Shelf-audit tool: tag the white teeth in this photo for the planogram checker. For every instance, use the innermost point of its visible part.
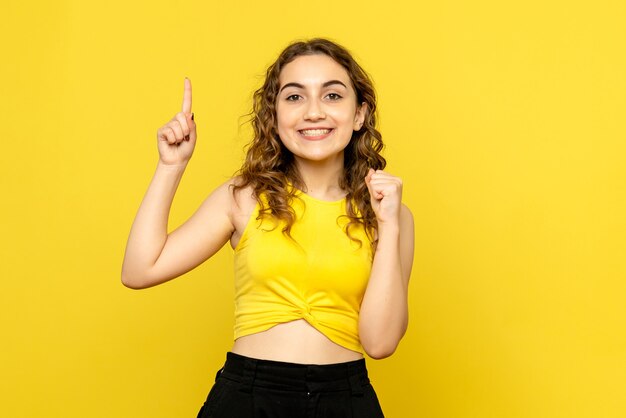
(315, 132)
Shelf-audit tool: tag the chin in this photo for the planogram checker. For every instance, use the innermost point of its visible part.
(320, 157)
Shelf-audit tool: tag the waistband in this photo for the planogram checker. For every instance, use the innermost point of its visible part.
(309, 378)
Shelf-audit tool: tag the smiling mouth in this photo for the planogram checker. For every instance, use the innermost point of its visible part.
(315, 133)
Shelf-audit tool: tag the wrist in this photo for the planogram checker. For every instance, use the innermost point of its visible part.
(172, 167)
(388, 229)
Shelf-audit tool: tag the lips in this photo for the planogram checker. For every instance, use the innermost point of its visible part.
(315, 134)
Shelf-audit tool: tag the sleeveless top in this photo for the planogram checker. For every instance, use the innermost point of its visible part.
(319, 276)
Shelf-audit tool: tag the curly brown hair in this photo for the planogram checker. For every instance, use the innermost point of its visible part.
(269, 167)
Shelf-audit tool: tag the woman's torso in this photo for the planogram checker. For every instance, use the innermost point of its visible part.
(296, 341)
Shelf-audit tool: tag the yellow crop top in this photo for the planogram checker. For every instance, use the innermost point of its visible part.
(321, 277)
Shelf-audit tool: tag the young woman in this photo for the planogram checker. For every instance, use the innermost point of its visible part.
(323, 244)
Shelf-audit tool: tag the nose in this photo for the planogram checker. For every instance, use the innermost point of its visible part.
(314, 111)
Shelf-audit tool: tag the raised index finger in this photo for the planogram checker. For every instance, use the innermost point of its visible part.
(187, 96)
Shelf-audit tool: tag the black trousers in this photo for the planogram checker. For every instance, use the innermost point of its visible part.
(252, 388)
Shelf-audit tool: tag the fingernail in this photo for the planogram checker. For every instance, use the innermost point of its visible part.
(192, 116)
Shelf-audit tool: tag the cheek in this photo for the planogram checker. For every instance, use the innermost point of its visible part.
(283, 118)
(282, 126)
(344, 113)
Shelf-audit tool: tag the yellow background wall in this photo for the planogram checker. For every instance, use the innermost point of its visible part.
(505, 119)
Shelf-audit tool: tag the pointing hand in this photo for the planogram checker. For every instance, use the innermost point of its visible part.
(177, 138)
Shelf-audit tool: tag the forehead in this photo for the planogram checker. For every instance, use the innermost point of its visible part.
(312, 70)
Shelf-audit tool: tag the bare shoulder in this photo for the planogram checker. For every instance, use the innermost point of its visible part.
(243, 203)
(238, 198)
(242, 199)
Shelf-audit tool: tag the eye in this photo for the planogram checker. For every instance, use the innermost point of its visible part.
(292, 98)
(333, 96)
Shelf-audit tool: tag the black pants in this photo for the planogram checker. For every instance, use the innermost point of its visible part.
(252, 388)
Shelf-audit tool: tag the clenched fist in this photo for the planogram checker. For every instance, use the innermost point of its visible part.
(385, 195)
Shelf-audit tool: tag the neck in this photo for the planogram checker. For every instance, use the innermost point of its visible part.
(321, 178)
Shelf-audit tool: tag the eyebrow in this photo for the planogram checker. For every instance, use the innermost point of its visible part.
(300, 86)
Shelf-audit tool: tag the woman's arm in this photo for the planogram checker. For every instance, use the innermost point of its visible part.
(152, 256)
(384, 313)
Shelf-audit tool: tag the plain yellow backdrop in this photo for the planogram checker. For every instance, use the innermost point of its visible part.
(505, 120)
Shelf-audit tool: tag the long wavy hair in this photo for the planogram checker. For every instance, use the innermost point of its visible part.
(269, 167)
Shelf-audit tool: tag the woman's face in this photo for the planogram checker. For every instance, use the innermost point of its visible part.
(316, 108)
